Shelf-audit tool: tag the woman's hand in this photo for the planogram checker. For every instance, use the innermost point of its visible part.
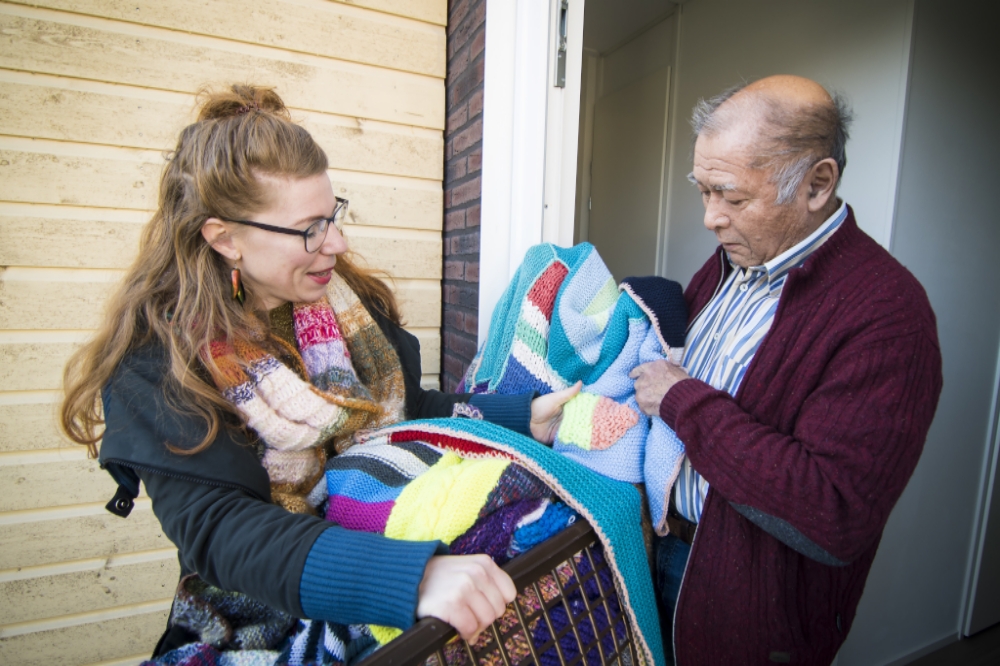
(547, 413)
(469, 592)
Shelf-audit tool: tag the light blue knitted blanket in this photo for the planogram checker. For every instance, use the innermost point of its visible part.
(563, 319)
(611, 507)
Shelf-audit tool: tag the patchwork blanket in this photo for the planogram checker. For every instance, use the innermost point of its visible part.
(474, 485)
(563, 319)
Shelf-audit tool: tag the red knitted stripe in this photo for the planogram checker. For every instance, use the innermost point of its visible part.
(543, 292)
(449, 442)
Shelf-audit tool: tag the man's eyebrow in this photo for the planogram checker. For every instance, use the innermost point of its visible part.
(722, 187)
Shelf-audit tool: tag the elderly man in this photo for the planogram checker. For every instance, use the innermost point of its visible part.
(812, 375)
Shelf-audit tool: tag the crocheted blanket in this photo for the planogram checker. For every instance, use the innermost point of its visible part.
(563, 319)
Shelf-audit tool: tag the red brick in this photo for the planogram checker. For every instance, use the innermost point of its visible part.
(451, 294)
(468, 81)
(479, 15)
(454, 319)
(456, 13)
(467, 191)
(448, 150)
(457, 119)
(472, 271)
(455, 367)
(465, 244)
(472, 216)
(454, 270)
(475, 161)
(460, 345)
(454, 220)
(455, 170)
(476, 103)
(468, 137)
(478, 43)
(471, 324)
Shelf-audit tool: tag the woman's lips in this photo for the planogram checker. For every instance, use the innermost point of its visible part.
(322, 277)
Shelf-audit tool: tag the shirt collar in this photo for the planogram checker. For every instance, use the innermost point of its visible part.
(776, 269)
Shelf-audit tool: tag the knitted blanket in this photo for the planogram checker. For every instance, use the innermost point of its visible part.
(564, 319)
(611, 507)
(477, 486)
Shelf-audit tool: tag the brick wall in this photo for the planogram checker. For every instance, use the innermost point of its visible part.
(463, 155)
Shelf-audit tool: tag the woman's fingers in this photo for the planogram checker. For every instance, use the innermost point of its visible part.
(546, 413)
(468, 592)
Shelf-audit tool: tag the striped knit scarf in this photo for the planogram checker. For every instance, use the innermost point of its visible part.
(355, 383)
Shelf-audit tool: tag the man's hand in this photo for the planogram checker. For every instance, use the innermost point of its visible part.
(652, 381)
(468, 592)
(547, 413)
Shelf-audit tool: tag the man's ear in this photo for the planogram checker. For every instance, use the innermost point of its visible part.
(822, 180)
(216, 234)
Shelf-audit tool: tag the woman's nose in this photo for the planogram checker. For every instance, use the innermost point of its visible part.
(334, 243)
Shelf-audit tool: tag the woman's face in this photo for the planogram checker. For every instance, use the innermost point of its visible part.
(275, 267)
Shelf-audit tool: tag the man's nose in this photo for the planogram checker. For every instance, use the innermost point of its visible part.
(715, 217)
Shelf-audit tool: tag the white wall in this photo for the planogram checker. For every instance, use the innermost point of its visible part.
(947, 233)
(856, 47)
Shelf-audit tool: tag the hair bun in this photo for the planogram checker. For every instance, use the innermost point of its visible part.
(240, 99)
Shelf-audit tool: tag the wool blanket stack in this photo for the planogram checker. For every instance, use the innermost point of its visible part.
(475, 485)
(563, 319)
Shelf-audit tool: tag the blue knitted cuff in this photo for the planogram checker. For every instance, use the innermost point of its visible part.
(356, 577)
(510, 411)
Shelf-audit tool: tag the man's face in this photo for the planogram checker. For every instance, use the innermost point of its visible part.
(740, 203)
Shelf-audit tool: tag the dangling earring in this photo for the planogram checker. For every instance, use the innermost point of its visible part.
(237, 285)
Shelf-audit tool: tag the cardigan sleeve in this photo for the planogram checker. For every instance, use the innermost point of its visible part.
(825, 486)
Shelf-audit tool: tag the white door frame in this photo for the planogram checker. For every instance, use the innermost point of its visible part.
(530, 130)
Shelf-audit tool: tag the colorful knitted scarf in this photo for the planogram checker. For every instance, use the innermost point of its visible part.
(355, 383)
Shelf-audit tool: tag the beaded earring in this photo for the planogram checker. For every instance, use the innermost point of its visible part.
(237, 285)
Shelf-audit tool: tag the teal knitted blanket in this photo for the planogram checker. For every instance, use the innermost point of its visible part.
(563, 319)
(611, 507)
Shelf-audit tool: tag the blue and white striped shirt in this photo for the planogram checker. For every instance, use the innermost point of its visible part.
(727, 333)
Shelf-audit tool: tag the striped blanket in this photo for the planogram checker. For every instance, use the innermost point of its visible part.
(563, 319)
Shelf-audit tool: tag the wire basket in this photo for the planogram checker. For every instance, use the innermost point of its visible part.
(568, 612)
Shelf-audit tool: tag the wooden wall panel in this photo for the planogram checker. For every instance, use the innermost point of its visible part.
(65, 483)
(41, 539)
(310, 26)
(130, 634)
(97, 588)
(81, 300)
(92, 96)
(152, 120)
(27, 427)
(76, 46)
(34, 366)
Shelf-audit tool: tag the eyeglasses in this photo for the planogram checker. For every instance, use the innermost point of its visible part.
(314, 235)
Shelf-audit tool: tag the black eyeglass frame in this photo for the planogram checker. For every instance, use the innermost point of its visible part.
(340, 211)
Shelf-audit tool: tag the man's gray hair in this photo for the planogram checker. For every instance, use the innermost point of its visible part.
(792, 140)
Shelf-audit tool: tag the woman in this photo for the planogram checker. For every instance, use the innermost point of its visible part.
(242, 349)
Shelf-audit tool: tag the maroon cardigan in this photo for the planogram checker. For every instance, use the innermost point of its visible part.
(806, 461)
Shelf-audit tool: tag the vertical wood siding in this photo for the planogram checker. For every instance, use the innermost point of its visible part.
(92, 94)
